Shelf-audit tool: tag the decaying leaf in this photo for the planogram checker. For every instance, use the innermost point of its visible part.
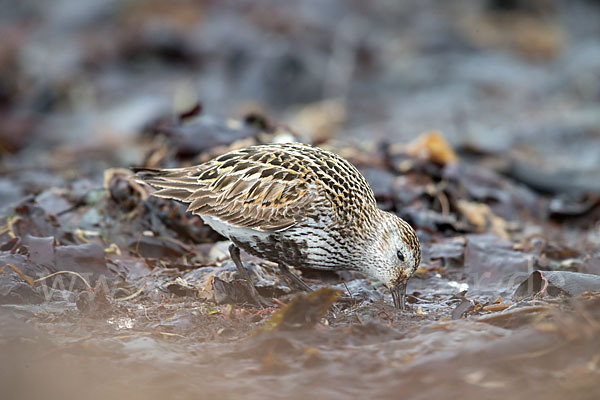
(482, 217)
(303, 312)
(432, 146)
(555, 283)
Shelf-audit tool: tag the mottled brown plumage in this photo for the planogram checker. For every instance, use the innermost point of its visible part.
(297, 205)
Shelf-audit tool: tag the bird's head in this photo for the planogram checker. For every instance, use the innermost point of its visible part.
(393, 255)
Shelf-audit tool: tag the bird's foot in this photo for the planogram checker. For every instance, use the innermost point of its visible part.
(293, 279)
(256, 298)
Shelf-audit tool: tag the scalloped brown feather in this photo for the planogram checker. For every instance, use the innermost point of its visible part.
(268, 187)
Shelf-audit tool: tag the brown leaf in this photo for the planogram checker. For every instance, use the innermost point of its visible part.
(497, 307)
(432, 146)
(303, 312)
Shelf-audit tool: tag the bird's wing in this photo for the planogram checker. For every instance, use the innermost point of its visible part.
(257, 187)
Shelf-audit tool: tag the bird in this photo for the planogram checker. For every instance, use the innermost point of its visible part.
(296, 205)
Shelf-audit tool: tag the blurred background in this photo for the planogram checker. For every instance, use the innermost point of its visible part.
(510, 77)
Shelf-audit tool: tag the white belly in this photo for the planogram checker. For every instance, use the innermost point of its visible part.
(239, 233)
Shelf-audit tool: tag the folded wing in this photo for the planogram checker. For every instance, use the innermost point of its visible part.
(255, 188)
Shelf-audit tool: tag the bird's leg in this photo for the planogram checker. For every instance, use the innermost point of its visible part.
(234, 252)
(293, 278)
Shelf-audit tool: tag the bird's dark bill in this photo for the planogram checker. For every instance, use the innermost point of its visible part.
(399, 295)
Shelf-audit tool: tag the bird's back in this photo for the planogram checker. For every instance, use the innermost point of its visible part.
(268, 187)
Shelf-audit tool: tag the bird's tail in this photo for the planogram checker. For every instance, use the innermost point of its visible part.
(149, 173)
(176, 183)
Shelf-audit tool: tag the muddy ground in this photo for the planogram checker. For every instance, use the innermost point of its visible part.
(477, 122)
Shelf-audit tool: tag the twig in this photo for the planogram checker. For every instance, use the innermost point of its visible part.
(444, 204)
(65, 272)
(352, 303)
(10, 222)
(171, 334)
(133, 295)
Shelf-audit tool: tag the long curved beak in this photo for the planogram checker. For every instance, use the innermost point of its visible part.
(399, 295)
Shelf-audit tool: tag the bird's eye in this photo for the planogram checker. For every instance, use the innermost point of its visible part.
(400, 255)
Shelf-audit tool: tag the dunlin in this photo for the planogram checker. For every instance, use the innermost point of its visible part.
(296, 205)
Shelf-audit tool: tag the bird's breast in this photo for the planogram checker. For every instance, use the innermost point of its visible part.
(308, 244)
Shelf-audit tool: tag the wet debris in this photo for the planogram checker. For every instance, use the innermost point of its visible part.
(93, 302)
(15, 286)
(517, 318)
(555, 283)
(181, 288)
(194, 133)
(449, 252)
(492, 266)
(234, 292)
(464, 307)
(303, 312)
